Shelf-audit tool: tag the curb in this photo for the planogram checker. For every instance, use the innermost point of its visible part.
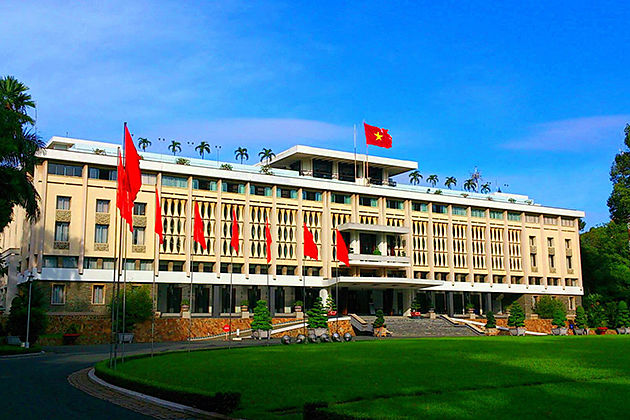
(195, 412)
(21, 356)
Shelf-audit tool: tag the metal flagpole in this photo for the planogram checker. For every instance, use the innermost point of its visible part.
(124, 302)
(118, 275)
(231, 298)
(113, 337)
(190, 301)
(337, 296)
(269, 305)
(153, 300)
(355, 151)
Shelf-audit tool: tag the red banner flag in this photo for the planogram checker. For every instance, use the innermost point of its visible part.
(268, 240)
(310, 248)
(342, 250)
(122, 194)
(198, 235)
(132, 166)
(158, 217)
(377, 136)
(234, 240)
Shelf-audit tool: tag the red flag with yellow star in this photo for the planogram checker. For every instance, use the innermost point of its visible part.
(377, 136)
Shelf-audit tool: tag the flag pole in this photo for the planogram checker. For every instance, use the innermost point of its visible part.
(153, 302)
(269, 305)
(112, 338)
(190, 300)
(124, 302)
(337, 297)
(355, 151)
(231, 298)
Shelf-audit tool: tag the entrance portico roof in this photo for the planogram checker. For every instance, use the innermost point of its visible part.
(363, 227)
(386, 282)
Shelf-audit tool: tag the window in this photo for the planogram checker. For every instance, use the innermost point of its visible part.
(65, 170)
(50, 261)
(102, 173)
(395, 204)
(149, 179)
(572, 303)
(61, 231)
(550, 242)
(531, 218)
(458, 211)
(567, 222)
(346, 171)
(311, 195)
(260, 190)
(58, 294)
(368, 201)
(494, 214)
(63, 203)
(174, 181)
(102, 206)
(138, 235)
(422, 207)
(569, 262)
(479, 213)
(204, 184)
(571, 282)
(98, 294)
(552, 261)
(322, 169)
(286, 193)
(101, 234)
(532, 241)
(233, 187)
(532, 258)
(98, 263)
(439, 208)
(69, 262)
(550, 220)
(567, 243)
(514, 217)
(140, 209)
(340, 198)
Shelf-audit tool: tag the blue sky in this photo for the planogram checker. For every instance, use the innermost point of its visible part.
(534, 95)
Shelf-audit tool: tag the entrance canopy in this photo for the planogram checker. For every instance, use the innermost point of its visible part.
(363, 227)
(386, 282)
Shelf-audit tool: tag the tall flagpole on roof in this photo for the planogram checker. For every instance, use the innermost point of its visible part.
(113, 337)
(355, 151)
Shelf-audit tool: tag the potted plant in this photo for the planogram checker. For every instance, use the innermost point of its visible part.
(317, 319)
(138, 308)
(261, 325)
(297, 306)
(71, 334)
(516, 319)
(491, 324)
(415, 308)
(331, 307)
(581, 322)
(623, 318)
(185, 307)
(379, 324)
(559, 320)
(470, 310)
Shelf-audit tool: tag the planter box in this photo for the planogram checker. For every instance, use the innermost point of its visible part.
(559, 331)
(261, 334)
(297, 309)
(69, 339)
(471, 313)
(622, 330)
(125, 337)
(317, 332)
(492, 331)
(601, 330)
(517, 331)
(332, 314)
(416, 315)
(580, 331)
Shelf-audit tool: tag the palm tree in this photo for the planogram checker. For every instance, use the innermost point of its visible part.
(415, 177)
(14, 96)
(432, 179)
(241, 153)
(485, 188)
(470, 185)
(203, 148)
(266, 155)
(450, 181)
(143, 143)
(175, 147)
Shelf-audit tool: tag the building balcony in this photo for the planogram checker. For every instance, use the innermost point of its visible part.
(369, 260)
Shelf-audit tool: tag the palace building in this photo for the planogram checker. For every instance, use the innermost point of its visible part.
(447, 248)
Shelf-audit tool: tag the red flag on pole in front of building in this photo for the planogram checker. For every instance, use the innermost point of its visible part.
(158, 217)
(234, 240)
(342, 250)
(122, 194)
(132, 166)
(377, 136)
(198, 235)
(268, 240)
(310, 248)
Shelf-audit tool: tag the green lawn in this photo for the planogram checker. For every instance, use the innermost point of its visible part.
(488, 377)
(10, 350)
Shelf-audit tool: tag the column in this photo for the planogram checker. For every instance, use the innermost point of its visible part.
(216, 301)
(449, 303)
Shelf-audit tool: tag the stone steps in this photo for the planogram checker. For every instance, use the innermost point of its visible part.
(424, 327)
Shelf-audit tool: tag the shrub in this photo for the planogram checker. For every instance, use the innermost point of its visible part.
(298, 303)
(245, 302)
(490, 321)
(317, 317)
(18, 318)
(266, 170)
(595, 312)
(416, 304)
(580, 317)
(469, 306)
(547, 306)
(182, 161)
(72, 329)
(330, 304)
(262, 317)
(517, 316)
(623, 315)
(138, 307)
(380, 319)
(559, 318)
(226, 166)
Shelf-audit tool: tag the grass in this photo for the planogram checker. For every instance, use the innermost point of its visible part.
(6, 350)
(447, 378)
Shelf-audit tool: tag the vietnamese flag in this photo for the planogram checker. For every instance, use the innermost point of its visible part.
(132, 166)
(158, 217)
(122, 194)
(234, 240)
(198, 235)
(342, 250)
(310, 248)
(268, 240)
(377, 136)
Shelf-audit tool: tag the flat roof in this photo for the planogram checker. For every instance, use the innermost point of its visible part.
(299, 152)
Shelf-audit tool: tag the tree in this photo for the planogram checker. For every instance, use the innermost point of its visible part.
(490, 321)
(18, 318)
(623, 316)
(450, 181)
(241, 153)
(15, 97)
(619, 200)
(559, 318)
(470, 185)
(175, 147)
(415, 177)
(432, 179)
(203, 148)
(317, 317)
(595, 312)
(138, 307)
(266, 155)
(262, 317)
(517, 316)
(143, 143)
(485, 188)
(547, 306)
(580, 317)
(380, 319)
(330, 304)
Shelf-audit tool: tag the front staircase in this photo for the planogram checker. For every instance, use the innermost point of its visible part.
(424, 327)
